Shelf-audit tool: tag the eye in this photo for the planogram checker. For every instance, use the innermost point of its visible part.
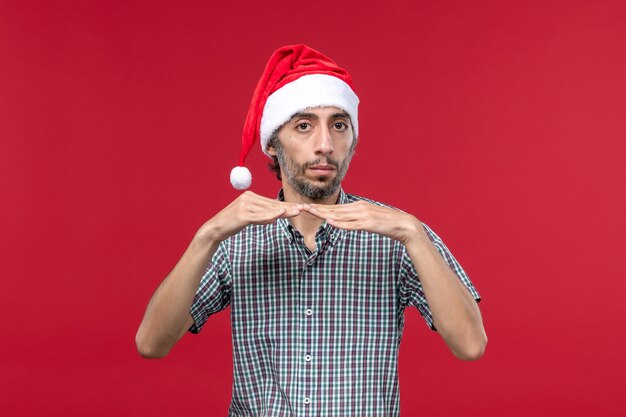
(303, 126)
(340, 126)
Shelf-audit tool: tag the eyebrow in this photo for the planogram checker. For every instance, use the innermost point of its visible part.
(306, 115)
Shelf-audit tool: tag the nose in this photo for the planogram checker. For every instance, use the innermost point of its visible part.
(324, 141)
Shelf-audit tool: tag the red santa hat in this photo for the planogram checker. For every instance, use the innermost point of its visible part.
(296, 78)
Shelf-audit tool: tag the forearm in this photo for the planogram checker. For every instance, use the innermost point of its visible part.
(455, 312)
(167, 315)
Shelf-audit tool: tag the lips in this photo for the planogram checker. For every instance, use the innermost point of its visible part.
(322, 167)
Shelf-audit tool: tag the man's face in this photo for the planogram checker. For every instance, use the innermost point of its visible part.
(314, 149)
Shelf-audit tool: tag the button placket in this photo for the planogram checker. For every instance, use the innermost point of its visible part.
(307, 372)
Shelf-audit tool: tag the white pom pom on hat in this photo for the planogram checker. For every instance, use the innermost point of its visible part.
(240, 178)
(296, 77)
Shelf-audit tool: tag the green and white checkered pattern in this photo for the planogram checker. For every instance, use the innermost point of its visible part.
(315, 333)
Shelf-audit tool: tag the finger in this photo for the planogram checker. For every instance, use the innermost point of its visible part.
(337, 208)
(322, 208)
(285, 213)
(324, 215)
(316, 211)
(346, 225)
(253, 198)
(345, 206)
(341, 214)
(258, 205)
(291, 209)
(266, 217)
(292, 212)
(269, 203)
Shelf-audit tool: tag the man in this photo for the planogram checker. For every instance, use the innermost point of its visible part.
(317, 280)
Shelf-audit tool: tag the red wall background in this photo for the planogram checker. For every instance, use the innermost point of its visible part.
(501, 124)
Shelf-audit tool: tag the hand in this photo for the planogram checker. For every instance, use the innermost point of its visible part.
(362, 215)
(248, 208)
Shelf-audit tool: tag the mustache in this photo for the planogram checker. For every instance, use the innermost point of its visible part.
(326, 161)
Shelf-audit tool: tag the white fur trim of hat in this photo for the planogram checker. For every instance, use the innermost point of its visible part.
(308, 91)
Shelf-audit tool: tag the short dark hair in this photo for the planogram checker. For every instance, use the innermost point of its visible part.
(274, 166)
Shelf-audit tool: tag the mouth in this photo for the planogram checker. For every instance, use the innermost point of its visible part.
(321, 169)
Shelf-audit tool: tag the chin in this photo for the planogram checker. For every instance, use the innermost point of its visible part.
(323, 178)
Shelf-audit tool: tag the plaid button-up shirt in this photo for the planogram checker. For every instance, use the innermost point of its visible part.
(315, 333)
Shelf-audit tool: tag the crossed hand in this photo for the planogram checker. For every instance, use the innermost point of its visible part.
(251, 208)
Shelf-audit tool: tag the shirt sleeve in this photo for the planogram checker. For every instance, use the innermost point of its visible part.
(213, 294)
(411, 292)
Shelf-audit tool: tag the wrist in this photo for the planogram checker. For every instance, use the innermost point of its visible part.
(203, 246)
(414, 232)
(208, 235)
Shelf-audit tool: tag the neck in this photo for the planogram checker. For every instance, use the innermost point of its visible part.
(306, 223)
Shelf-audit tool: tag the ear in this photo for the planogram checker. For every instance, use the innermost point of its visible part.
(271, 150)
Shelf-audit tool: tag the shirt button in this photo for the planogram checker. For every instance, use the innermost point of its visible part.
(307, 400)
(307, 358)
(309, 312)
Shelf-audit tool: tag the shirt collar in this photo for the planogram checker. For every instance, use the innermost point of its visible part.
(332, 233)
